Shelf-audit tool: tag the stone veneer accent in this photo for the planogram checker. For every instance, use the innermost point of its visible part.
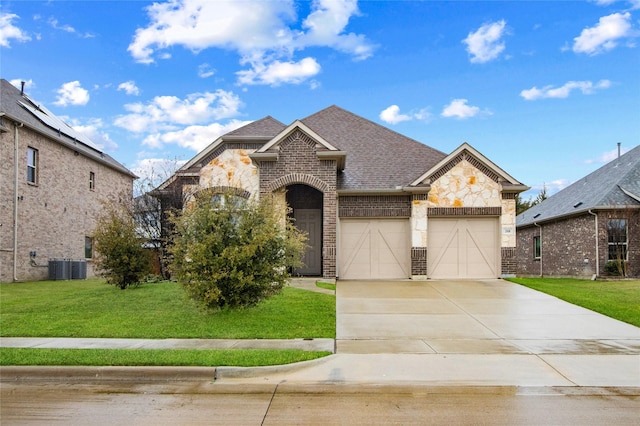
(232, 168)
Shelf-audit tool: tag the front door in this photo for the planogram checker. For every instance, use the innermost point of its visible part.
(310, 222)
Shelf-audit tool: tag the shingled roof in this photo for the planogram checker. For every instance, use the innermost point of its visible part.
(17, 106)
(377, 157)
(265, 127)
(614, 185)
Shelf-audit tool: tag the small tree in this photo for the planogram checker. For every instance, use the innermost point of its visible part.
(230, 252)
(121, 258)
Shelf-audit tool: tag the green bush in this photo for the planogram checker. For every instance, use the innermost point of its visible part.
(121, 258)
(616, 268)
(230, 252)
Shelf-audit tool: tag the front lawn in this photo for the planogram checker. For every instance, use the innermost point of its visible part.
(616, 299)
(91, 308)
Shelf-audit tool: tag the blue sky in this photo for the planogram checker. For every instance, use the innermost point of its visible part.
(545, 89)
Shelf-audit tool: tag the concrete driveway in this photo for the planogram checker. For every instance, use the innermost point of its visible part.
(471, 317)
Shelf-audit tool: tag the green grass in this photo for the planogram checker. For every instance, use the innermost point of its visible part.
(616, 299)
(326, 286)
(154, 357)
(91, 308)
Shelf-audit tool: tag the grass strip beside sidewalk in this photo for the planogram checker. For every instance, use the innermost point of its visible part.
(154, 357)
(615, 299)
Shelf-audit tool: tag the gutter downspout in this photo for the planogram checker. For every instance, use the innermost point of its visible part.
(17, 125)
(541, 248)
(597, 245)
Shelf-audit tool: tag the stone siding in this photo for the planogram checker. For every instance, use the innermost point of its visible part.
(232, 168)
(56, 214)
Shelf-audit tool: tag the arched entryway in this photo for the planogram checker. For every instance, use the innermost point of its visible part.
(306, 209)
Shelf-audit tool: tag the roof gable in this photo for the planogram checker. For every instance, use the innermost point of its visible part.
(482, 163)
(614, 185)
(259, 131)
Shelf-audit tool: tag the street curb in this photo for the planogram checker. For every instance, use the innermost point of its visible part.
(74, 374)
(254, 372)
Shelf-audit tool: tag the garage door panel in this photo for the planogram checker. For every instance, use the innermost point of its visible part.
(463, 248)
(374, 249)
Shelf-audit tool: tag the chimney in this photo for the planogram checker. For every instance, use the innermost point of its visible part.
(22, 83)
(619, 143)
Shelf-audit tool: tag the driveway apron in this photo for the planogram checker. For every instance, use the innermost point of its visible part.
(488, 316)
(485, 331)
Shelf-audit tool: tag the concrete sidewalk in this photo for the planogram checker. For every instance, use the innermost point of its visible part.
(99, 343)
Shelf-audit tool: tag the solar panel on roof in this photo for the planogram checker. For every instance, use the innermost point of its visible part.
(48, 118)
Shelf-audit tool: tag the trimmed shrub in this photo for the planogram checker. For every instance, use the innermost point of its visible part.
(230, 252)
(121, 257)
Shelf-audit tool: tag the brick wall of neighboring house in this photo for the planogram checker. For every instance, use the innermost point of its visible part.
(632, 216)
(298, 163)
(568, 246)
(56, 213)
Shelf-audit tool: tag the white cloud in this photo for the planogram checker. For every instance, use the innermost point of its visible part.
(129, 88)
(8, 31)
(486, 43)
(326, 23)
(72, 93)
(276, 73)
(167, 112)
(607, 157)
(263, 33)
(94, 130)
(55, 25)
(205, 71)
(458, 108)
(28, 84)
(586, 87)
(604, 35)
(153, 171)
(392, 115)
(194, 137)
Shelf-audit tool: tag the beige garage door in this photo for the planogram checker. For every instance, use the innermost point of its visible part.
(463, 248)
(374, 249)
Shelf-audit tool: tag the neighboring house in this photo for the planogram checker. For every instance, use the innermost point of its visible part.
(375, 204)
(578, 230)
(52, 182)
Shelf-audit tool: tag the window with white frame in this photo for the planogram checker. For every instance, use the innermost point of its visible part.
(32, 165)
(617, 239)
(92, 181)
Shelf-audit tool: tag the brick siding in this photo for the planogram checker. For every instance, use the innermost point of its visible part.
(56, 214)
(298, 163)
(566, 244)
